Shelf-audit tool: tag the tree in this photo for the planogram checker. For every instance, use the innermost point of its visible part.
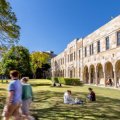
(9, 30)
(18, 57)
(37, 60)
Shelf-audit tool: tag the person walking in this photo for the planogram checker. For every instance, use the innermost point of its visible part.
(14, 97)
(27, 97)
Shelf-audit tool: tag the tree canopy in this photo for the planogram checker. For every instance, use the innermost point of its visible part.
(9, 30)
(38, 59)
(18, 57)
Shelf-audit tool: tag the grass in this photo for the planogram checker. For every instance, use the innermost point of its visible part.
(48, 102)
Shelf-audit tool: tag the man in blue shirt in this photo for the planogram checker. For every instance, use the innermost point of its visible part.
(14, 97)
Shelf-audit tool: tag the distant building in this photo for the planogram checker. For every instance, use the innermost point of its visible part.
(94, 59)
(51, 53)
(47, 73)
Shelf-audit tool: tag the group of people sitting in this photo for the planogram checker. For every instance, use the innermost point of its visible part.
(19, 98)
(68, 99)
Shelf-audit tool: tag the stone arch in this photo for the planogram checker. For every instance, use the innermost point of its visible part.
(100, 74)
(71, 72)
(92, 74)
(60, 73)
(86, 75)
(74, 70)
(79, 72)
(117, 70)
(109, 74)
(63, 73)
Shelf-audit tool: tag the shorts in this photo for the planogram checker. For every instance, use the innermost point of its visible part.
(26, 106)
(11, 110)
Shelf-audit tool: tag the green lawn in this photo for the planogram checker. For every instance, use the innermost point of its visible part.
(48, 103)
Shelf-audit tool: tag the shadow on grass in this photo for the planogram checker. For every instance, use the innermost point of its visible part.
(41, 84)
(3, 89)
(48, 84)
(49, 106)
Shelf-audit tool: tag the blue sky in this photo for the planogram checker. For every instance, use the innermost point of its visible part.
(52, 24)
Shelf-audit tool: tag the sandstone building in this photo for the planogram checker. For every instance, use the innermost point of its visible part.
(94, 59)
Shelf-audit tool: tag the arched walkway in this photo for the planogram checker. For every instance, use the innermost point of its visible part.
(63, 73)
(71, 72)
(100, 74)
(117, 70)
(92, 74)
(109, 72)
(86, 75)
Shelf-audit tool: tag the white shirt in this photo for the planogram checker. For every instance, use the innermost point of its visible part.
(68, 99)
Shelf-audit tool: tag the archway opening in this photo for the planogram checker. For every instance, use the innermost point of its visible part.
(86, 75)
(109, 73)
(100, 74)
(92, 74)
(71, 72)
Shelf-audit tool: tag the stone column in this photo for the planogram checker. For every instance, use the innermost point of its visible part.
(82, 75)
(104, 78)
(68, 73)
(89, 77)
(96, 77)
(115, 79)
(104, 75)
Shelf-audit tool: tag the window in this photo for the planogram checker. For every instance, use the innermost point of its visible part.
(68, 58)
(71, 57)
(118, 38)
(98, 46)
(85, 51)
(74, 55)
(79, 54)
(59, 61)
(107, 43)
(92, 49)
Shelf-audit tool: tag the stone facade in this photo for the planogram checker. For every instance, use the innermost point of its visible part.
(94, 59)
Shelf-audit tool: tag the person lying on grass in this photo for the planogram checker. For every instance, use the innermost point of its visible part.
(68, 99)
(27, 97)
(91, 96)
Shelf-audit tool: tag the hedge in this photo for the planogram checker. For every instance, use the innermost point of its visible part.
(70, 81)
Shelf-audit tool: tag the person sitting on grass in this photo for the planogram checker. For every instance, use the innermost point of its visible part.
(68, 97)
(27, 97)
(91, 96)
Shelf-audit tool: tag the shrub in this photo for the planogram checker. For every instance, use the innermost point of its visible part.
(70, 81)
(49, 78)
(61, 80)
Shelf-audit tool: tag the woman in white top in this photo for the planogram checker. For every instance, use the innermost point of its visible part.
(68, 98)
